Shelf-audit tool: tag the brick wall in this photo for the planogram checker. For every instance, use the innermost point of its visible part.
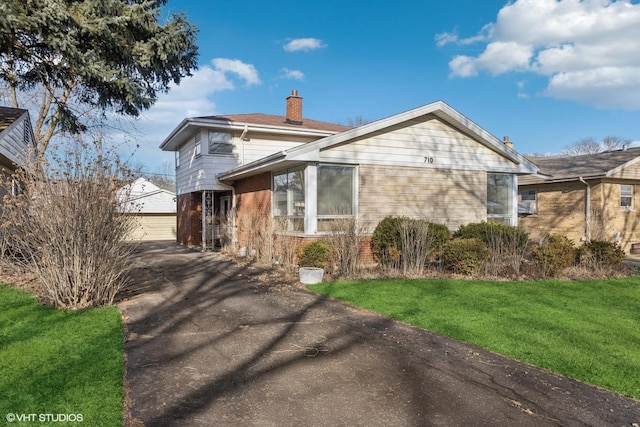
(189, 218)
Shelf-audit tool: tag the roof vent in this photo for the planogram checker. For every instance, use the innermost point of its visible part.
(294, 109)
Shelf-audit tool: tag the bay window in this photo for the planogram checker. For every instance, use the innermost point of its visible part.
(288, 197)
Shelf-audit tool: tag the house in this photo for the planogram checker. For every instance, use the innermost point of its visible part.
(154, 208)
(16, 139)
(207, 146)
(593, 196)
(430, 162)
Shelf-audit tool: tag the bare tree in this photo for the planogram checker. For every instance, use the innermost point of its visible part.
(591, 145)
(588, 145)
(356, 121)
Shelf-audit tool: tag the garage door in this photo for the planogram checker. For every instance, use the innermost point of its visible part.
(155, 227)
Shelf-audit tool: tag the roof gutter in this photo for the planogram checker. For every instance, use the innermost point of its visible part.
(587, 208)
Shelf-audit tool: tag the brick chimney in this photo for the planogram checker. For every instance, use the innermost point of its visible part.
(294, 109)
(507, 142)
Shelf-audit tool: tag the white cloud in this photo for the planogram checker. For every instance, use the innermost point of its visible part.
(286, 73)
(246, 72)
(588, 49)
(304, 45)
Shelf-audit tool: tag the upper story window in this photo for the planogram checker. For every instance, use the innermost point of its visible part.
(198, 144)
(177, 158)
(220, 143)
(626, 196)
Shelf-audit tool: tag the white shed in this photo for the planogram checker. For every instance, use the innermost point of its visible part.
(155, 209)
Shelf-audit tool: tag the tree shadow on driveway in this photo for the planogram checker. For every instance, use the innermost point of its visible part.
(208, 344)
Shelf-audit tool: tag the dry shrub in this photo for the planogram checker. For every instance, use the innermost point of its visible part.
(553, 255)
(419, 239)
(66, 226)
(265, 239)
(346, 238)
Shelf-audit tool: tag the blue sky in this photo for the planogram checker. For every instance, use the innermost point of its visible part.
(544, 72)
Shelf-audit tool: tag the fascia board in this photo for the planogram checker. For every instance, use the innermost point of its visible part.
(188, 125)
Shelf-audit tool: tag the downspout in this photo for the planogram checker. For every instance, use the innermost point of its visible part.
(587, 213)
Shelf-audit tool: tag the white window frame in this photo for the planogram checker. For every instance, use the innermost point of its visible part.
(511, 217)
(198, 149)
(624, 196)
(177, 158)
(228, 143)
(354, 195)
(291, 217)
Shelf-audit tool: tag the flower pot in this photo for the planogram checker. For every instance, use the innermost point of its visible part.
(311, 275)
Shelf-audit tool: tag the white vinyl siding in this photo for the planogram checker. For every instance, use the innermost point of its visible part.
(426, 143)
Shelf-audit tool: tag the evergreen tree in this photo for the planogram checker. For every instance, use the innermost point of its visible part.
(90, 56)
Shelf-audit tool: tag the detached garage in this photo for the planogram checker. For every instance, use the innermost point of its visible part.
(155, 210)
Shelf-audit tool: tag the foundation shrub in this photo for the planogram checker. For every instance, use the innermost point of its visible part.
(600, 254)
(345, 237)
(407, 243)
(507, 245)
(553, 254)
(316, 254)
(465, 256)
(419, 241)
(385, 242)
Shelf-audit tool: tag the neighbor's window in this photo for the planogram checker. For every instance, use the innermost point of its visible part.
(527, 202)
(335, 194)
(626, 196)
(499, 197)
(220, 143)
(198, 144)
(288, 197)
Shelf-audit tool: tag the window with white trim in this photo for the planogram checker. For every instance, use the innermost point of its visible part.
(500, 197)
(198, 144)
(626, 196)
(288, 198)
(177, 158)
(336, 194)
(220, 143)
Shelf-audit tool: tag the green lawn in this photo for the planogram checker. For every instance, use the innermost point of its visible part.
(587, 330)
(59, 362)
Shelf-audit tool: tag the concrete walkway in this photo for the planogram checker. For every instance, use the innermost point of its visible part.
(209, 345)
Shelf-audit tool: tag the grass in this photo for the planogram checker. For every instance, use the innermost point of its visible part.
(60, 362)
(587, 330)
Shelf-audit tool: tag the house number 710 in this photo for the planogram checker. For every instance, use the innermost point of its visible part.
(428, 159)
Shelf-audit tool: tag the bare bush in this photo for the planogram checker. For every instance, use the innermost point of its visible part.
(265, 239)
(66, 226)
(346, 238)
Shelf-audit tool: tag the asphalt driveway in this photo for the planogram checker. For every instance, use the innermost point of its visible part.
(210, 345)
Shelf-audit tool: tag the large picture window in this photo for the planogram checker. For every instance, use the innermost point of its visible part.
(336, 190)
(220, 143)
(288, 197)
(500, 197)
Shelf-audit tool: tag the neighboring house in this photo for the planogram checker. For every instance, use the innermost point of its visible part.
(154, 207)
(593, 196)
(430, 162)
(16, 139)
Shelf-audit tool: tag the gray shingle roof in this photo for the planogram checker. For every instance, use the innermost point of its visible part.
(585, 166)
